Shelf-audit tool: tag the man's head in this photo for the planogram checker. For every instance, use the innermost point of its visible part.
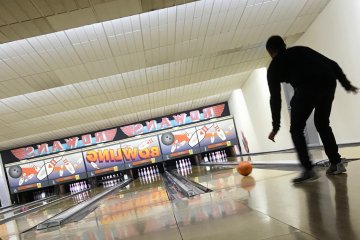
(274, 45)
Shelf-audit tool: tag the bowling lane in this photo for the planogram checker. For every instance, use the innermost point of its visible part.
(27, 207)
(222, 177)
(23, 223)
(140, 211)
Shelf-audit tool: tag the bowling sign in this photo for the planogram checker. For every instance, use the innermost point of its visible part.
(26, 177)
(65, 168)
(103, 160)
(179, 143)
(216, 135)
(141, 152)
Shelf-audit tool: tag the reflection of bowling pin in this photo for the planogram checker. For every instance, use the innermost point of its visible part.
(220, 132)
(146, 144)
(69, 166)
(61, 172)
(94, 165)
(30, 176)
(47, 169)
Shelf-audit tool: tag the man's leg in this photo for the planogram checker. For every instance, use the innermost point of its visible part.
(322, 124)
(301, 108)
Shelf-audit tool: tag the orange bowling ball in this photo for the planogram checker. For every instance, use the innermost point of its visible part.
(244, 168)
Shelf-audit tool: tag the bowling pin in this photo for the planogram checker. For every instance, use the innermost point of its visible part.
(212, 139)
(61, 172)
(173, 147)
(146, 144)
(220, 132)
(30, 176)
(21, 181)
(225, 156)
(193, 140)
(69, 166)
(94, 165)
(47, 169)
(177, 165)
(157, 170)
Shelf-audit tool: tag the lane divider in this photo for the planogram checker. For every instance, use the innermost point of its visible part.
(60, 218)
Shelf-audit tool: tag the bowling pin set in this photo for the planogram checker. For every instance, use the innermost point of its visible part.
(218, 156)
(149, 174)
(111, 180)
(78, 198)
(183, 166)
(79, 186)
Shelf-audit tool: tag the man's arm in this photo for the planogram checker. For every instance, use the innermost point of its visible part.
(342, 77)
(275, 100)
(339, 74)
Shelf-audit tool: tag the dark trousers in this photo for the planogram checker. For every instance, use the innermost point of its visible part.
(305, 100)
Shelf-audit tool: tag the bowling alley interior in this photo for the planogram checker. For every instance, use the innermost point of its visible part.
(149, 119)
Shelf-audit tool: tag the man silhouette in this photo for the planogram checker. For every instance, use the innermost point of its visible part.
(313, 77)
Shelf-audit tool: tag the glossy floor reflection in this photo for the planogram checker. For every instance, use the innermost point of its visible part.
(264, 205)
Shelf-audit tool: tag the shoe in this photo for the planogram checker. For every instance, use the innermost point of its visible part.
(336, 168)
(305, 176)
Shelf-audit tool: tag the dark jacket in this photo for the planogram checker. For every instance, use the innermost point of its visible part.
(301, 67)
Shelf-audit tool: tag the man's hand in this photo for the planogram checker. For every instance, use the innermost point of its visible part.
(272, 136)
(353, 89)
